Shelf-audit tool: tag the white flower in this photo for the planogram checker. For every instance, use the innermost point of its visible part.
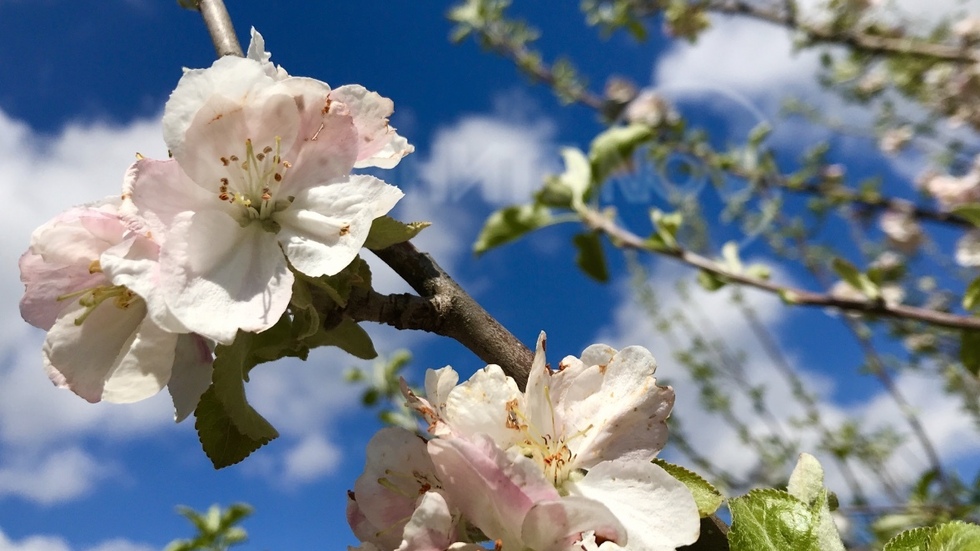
(82, 283)
(260, 182)
(590, 430)
(903, 231)
(968, 249)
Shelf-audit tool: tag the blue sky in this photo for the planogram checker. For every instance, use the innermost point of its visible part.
(82, 87)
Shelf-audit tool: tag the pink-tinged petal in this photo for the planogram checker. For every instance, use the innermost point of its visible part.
(62, 258)
(559, 525)
(494, 490)
(256, 51)
(216, 138)
(45, 282)
(438, 384)
(191, 374)
(486, 404)
(219, 277)
(658, 511)
(326, 143)
(117, 354)
(325, 227)
(230, 76)
(431, 527)
(379, 144)
(156, 192)
(371, 535)
(616, 406)
(397, 472)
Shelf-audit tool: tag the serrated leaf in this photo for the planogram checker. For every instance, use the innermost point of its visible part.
(955, 536)
(510, 223)
(707, 497)
(771, 520)
(590, 257)
(916, 539)
(223, 442)
(386, 231)
(349, 337)
(613, 148)
(231, 363)
(970, 212)
(971, 298)
(970, 351)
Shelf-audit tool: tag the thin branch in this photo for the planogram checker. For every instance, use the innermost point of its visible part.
(222, 32)
(625, 238)
(462, 318)
(869, 43)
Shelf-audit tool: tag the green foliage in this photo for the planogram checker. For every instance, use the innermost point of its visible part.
(612, 149)
(705, 495)
(382, 389)
(217, 529)
(386, 231)
(590, 257)
(771, 520)
(510, 223)
(849, 273)
(970, 351)
(951, 536)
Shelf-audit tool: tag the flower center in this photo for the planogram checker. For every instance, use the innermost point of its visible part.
(253, 181)
(551, 451)
(91, 298)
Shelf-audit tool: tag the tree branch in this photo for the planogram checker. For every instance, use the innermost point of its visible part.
(222, 32)
(625, 238)
(461, 317)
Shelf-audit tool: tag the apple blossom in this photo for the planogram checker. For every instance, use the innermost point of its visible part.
(260, 184)
(101, 343)
(592, 426)
(968, 249)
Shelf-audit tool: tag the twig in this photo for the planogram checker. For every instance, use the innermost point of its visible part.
(222, 32)
(802, 297)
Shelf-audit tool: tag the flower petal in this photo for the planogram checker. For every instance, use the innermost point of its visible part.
(379, 144)
(657, 510)
(484, 405)
(559, 525)
(325, 227)
(431, 527)
(191, 374)
(219, 277)
(117, 354)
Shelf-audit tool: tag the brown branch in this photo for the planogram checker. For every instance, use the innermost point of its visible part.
(802, 297)
(460, 316)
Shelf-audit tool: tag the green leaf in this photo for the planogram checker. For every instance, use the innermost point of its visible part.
(711, 281)
(849, 273)
(971, 298)
(969, 211)
(970, 351)
(955, 536)
(771, 520)
(916, 539)
(223, 442)
(613, 148)
(705, 495)
(189, 4)
(666, 226)
(590, 257)
(806, 484)
(349, 337)
(386, 231)
(509, 223)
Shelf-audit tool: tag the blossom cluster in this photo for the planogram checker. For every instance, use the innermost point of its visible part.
(566, 465)
(136, 290)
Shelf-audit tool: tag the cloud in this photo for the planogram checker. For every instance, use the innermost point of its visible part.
(309, 460)
(501, 157)
(54, 543)
(56, 477)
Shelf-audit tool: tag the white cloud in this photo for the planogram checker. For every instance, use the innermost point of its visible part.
(54, 543)
(312, 458)
(59, 476)
(500, 157)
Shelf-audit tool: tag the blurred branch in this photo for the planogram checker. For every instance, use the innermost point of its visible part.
(624, 238)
